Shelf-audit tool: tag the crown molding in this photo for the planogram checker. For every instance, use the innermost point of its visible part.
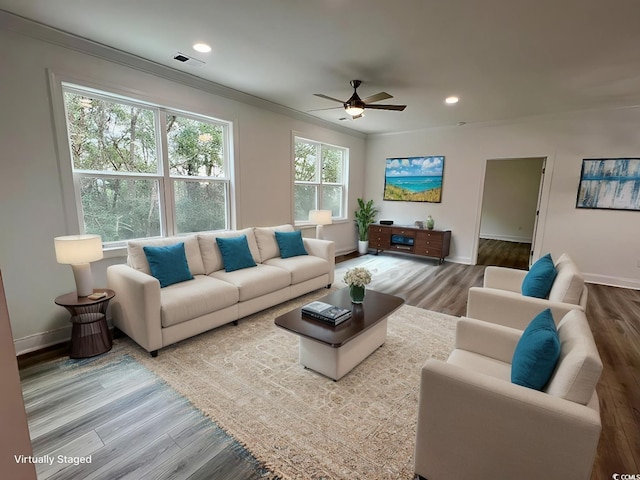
(45, 33)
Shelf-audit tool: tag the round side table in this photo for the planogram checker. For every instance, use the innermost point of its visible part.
(90, 333)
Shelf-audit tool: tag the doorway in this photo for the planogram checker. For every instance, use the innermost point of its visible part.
(509, 213)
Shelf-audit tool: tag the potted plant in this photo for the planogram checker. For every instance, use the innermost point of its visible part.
(365, 216)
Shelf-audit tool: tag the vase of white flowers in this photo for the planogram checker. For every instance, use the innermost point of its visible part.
(357, 278)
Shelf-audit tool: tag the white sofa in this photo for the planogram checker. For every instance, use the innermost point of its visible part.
(474, 423)
(156, 317)
(500, 300)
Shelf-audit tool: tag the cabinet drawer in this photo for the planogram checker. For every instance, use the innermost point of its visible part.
(430, 235)
(429, 252)
(407, 232)
(379, 229)
(380, 244)
(435, 242)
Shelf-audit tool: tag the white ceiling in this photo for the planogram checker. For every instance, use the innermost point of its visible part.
(505, 59)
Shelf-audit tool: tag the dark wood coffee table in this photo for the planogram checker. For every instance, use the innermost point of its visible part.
(335, 351)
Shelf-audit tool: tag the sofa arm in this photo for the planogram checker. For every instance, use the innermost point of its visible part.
(504, 278)
(136, 306)
(511, 309)
(487, 339)
(477, 426)
(324, 249)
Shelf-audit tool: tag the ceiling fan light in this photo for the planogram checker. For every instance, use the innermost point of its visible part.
(353, 110)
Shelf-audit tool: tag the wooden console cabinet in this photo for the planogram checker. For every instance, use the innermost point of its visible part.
(417, 241)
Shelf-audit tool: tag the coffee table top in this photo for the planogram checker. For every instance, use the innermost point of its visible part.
(376, 307)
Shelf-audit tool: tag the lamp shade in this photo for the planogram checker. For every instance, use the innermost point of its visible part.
(320, 217)
(76, 249)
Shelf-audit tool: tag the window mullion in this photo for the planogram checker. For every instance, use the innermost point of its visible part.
(167, 202)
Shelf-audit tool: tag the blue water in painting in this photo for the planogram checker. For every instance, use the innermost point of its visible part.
(415, 184)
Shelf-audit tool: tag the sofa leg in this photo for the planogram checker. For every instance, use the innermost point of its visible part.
(154, 354)
(235, 322)
(117, 333)
(328, 286)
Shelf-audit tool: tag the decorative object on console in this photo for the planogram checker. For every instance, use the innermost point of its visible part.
(320, 218)
(386, 222)
(414, 179)
(430, 222)
(365, 216)
(609, 183)
(78, 251)
(357, 278)
(418, 224)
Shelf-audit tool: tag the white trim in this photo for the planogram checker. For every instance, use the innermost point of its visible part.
(506, 238)
(38, 341)
(620, 282)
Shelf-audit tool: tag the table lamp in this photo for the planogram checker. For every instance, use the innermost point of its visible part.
(320, 218)
(78, 251)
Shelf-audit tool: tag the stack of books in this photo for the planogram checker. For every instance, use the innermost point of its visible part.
(326, 312)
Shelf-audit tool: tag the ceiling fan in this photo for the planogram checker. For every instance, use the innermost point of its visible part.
(356, 106)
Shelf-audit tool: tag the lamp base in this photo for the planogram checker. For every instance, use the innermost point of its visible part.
(84, 279)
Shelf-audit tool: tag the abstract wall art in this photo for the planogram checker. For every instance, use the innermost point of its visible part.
(610, 183)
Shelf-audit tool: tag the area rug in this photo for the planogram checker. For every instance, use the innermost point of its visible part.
(301, 424)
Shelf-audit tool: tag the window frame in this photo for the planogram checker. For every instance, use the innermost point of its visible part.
(319, 183)
(71, 178)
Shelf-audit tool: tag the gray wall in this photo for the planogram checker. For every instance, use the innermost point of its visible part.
(510, 198)
(604, 243)
(34, 208)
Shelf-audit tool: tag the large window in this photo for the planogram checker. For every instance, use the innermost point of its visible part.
(145, 171)
(319, 180)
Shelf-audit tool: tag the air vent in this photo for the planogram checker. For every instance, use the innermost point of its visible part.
(187, 60)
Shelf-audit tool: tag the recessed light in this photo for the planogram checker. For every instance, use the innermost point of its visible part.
(201, 47)
(451, 100)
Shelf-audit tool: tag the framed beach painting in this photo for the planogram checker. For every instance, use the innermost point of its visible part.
(610, 183)
(414, 179)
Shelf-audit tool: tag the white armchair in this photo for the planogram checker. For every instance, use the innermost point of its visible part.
(474, 423)
(500, 300)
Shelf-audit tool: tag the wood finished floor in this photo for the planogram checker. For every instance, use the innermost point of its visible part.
(130, 423)
(614, 316)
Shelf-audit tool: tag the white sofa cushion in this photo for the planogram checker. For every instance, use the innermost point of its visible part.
(185, 301)
(255, 281)
(579, 367)
(266, 239)
(481, 364)
(211, 256)
(569, 283)
(138, 260)
(302, 268)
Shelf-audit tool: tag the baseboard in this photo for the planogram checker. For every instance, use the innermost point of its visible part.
(621, 282)
(39, 341)
(507, 238)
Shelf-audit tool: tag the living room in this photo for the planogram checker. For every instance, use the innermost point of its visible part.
(36, 205)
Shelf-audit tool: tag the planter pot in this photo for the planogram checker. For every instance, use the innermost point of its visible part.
(363, 246)
(356, 293)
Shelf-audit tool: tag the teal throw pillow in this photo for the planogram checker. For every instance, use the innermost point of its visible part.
(539, 280)
(235, 253)
(290, 244)
(537, 353)
(168, 264)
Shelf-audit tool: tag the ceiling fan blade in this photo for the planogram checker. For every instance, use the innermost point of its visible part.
(321, 95)
(321, 109)
(386, 107)
(377, 97)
